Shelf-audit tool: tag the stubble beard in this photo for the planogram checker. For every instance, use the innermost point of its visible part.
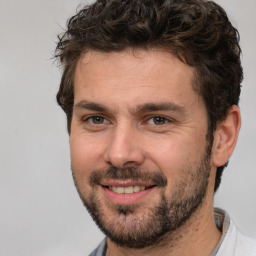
(135, 227)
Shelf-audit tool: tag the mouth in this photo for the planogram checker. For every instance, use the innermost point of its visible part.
(128, 189)
(126, 193)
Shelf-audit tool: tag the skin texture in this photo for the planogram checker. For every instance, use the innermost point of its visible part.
(114, 125)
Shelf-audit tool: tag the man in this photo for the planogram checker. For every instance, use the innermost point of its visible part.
(151, 90)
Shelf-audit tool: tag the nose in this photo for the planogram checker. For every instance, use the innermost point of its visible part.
(124, 148)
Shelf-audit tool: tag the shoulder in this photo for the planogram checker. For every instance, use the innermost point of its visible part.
(245, 245)
(232, 241)
(101, 249)
(237, 244)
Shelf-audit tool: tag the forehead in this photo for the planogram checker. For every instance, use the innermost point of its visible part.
(133, 75)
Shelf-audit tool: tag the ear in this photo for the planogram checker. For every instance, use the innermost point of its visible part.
(225, 137)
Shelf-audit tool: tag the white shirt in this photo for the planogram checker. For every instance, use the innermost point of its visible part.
(232, 242)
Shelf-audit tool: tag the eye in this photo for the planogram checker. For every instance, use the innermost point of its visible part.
(158, 120)
(96, 120)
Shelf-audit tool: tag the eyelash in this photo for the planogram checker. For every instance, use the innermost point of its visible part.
(164, 119)
(94, 116)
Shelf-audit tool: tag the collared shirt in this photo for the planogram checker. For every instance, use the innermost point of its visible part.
(232, 242)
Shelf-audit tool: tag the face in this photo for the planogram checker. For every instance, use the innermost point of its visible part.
(140, 158)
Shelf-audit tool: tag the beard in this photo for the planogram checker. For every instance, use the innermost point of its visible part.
(136, 226)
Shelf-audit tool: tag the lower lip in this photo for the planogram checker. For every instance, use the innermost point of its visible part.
(133, 198)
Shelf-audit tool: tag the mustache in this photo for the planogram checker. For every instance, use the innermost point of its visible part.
(131, 173)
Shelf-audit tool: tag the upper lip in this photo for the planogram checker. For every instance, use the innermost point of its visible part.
(125, 183)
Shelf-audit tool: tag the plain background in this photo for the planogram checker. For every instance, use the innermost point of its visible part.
(40, 211)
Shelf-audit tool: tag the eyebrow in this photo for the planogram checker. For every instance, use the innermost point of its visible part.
(84, 104)
(147, 107)
(160, 106)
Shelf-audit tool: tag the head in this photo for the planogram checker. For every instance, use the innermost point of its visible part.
(195, 33)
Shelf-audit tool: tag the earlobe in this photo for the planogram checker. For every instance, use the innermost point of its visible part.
(225, 137)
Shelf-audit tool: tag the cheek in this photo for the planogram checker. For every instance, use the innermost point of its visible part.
(168, 157)
(175, 155)
(86, 155)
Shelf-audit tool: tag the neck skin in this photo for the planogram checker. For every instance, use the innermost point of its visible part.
(198, 236)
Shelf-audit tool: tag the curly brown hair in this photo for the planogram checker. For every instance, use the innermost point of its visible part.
(198, 32)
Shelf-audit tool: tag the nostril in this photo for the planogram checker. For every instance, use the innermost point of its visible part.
(123, 155)
(130, 164)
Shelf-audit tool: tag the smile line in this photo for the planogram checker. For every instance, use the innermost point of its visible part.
(128, 189)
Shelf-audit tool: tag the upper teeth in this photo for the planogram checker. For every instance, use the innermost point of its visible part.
(126, 190)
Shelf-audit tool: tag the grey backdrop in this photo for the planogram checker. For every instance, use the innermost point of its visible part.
(40, 211)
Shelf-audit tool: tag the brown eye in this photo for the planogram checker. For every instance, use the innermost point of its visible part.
(158, 120)
(96, 120)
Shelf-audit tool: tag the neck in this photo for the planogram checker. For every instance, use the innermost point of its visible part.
(198, 236)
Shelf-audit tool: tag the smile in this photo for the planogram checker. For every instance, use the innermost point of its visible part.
(126, 193)
(126, 190)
